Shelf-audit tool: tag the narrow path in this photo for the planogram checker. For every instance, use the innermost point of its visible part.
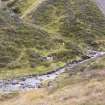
(34, 6)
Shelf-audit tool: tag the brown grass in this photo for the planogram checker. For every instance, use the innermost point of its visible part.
(78, 91)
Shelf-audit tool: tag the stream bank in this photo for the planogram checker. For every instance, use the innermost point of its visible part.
(35, 81)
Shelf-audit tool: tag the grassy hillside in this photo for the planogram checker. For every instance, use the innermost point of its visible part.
(23, 46)
(58, 29)
(80, 21)
(53, 32)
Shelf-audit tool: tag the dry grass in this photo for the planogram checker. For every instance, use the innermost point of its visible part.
(90, 91)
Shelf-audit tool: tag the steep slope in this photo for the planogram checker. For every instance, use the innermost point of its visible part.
(59, 31)
(76, 21)
(25, 48)
(71, 19)
(22, 46)
(54, 32)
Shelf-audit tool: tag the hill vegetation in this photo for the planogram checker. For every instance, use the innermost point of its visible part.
(53, 33)
(40, 36)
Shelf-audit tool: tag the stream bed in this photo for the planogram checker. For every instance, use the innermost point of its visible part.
(35, 82)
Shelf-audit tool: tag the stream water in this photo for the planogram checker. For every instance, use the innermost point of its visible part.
(35, 82)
